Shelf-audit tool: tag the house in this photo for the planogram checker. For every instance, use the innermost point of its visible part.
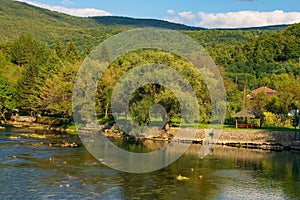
(268, 91)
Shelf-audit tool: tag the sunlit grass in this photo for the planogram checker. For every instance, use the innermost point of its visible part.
(178, 123)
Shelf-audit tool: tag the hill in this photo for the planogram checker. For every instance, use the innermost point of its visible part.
(48, 26)
(20, 18)
(127, 21)
(271, 27)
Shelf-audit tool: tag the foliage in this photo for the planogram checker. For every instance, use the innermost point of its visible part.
(7, 98)
(145, 97)
(26, 50)
(57, 101)
(41, 51)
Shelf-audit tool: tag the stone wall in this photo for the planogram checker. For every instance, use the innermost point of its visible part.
(250, 136)
(256, 136)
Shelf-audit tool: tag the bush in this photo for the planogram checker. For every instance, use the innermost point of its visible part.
(174, 122)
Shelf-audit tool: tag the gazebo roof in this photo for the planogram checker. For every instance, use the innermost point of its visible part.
(248, 112)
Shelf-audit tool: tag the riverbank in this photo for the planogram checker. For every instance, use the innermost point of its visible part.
(36, 126)
(245, 138)
(254, 139)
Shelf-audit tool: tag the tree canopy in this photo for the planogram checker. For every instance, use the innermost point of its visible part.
(37, 77)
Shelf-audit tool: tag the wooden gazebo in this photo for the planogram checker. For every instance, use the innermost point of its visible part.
(247, 113)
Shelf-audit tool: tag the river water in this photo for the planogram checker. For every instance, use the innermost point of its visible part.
(39, 168)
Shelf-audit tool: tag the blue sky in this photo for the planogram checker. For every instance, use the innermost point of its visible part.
(205, 13)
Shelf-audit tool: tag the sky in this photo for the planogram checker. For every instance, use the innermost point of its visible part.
(200, 13)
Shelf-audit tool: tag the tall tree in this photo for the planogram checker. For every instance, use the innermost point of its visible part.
(56, 95)
(28, 90)
(72, 54)
(26, 50)
(7, 98)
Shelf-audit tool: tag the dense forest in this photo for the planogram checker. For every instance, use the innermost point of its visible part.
(38, 66)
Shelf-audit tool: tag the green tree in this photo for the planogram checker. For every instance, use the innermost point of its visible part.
(72, 54)
(26, 50)
(59, 50)
(56, 95)
(7, 98)
(28, 90)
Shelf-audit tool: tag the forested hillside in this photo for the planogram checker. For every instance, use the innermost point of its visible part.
(48, 26)
(41, 51)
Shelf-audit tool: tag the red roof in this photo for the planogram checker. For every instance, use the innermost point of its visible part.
(269, 92)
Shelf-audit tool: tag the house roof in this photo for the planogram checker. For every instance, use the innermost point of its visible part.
(248, 112)
(269, 92)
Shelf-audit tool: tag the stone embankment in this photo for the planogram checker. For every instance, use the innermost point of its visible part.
(257, 139)
(42, 123)
(261, 139)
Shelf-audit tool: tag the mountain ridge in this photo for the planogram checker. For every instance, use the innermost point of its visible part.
(142, 22)
(50, 26)
(31, 11)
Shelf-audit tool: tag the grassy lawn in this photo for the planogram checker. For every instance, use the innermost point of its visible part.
(232, 127)
(265, 128)
(206, 126)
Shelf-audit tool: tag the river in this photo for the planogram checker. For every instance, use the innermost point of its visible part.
(39, 168)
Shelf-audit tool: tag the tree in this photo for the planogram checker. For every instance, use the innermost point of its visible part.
(56, 95)
(72, 54)
(59, 50)
(7, 98)
(142, 99)
(28, 90)
(260, 101)
(292, 44)
(26, 50)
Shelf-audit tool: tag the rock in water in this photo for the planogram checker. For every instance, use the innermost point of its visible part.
(182, 178)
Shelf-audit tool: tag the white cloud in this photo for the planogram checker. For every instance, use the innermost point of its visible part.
(186, 17)
(79, 12)
(235, 19)
(246, 19)
(171, 12)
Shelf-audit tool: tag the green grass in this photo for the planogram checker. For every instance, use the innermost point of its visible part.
(232, 127)
(273, 128)
(71, 127)
(264, 128)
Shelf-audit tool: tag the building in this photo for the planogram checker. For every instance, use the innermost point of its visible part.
(268, 91)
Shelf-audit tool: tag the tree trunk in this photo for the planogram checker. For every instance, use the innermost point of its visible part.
(3, 116)
(165, 118)
(106, 110)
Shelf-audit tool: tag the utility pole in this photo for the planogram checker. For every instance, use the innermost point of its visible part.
(244, 98)
(296, 123)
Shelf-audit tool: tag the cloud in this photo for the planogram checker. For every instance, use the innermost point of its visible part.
(246, 19)
(185, 17)
(238, 19)
(171, 12)
(79, 12)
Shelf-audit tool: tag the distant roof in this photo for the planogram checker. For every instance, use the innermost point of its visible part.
(269, 92)
(248, 112)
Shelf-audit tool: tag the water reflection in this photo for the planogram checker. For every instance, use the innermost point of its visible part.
(42, 172)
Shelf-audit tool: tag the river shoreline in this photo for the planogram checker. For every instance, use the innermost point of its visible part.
(35, 126)
(241, 138)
